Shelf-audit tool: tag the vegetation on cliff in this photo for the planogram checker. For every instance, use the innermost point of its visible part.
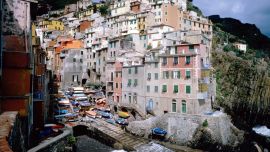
(191, 7)
(247, 32)
(243, 88)
(243, 79)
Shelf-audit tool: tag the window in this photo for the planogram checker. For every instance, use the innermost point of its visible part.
(81, 52)
(156, 76)
(149, 76)
(75, 78)
(191, 47)
(165, 74)
(188, 89)
(188, 74)
(129, 99)
(148, 88)
(176, 74)
(188, 60)
(164, 61)
(81, 60)
(164, 88)
(184, 106)
(136, 70)
(175, 89)
(156, 88)
(129, 71)
(129, 82)
(166, 13)
(156, 65)
(173, 105)
(74, 59)
(116, 85)
(135, 82)
(135, 98)
(175, 60)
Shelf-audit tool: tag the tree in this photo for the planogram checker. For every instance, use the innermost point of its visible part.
(104, 10)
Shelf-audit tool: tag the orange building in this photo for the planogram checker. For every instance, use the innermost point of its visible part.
(84, 25)
(65, 43)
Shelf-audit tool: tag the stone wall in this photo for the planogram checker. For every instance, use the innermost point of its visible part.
(11, 137)
(184, 127)
(57, 143)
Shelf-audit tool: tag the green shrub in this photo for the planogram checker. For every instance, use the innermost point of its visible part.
(71, 140)
(205, 123)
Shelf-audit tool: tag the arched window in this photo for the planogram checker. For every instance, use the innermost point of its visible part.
(173, 105)
(184, 106)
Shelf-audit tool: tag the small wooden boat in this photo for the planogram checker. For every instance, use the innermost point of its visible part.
(121, 121)
(64, 102)
(159, 131)
(123, 114)
(91, 114)
(105, 114)
(61, 111)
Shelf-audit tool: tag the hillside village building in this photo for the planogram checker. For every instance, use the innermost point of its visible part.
(152, 55)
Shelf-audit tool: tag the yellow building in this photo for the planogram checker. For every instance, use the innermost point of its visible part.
(85, 13)
(51, 25)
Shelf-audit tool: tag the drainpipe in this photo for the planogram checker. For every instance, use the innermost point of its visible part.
(28, 46)
(1, 38)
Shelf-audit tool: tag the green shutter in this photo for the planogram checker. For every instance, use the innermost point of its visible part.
(188, 89)
(178, 74)
(188, 74)
(173, 106)
(164, 88)
(129, 82)
(175, 89)
(188, 60)
(184, 107)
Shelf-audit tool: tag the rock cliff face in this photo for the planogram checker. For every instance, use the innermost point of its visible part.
(188, 130)
(243, 89)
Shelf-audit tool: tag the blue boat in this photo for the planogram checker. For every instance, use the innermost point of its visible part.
(84, 103)
(105, 114)
(121, 121)
(159, 131)
(74, 103)
(111, 121)
(63, 111)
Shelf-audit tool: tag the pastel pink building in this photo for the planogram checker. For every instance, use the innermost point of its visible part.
(177, 79)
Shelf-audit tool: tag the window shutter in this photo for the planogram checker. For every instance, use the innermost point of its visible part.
(178, 74)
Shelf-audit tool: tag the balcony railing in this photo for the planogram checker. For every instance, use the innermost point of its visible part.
(203, 95)
(151, 59)
(204, 80)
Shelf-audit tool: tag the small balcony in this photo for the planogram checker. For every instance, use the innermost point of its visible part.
(151, 59)
(204, 81)
(35, 41)
(202, 95)
(110, 59)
